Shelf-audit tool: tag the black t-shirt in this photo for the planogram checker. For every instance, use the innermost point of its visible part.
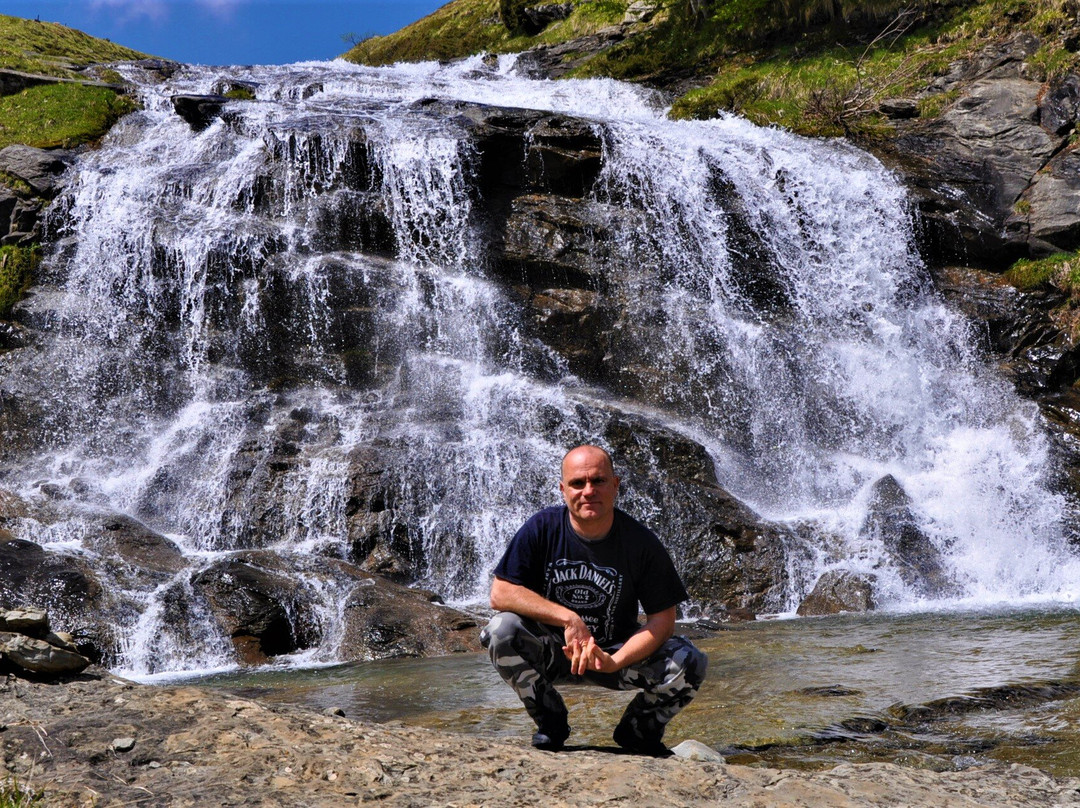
(602, 580)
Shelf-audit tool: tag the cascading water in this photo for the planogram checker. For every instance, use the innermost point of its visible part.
(209, 361)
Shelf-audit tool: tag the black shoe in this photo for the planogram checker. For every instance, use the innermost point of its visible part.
(551, 737)
(626, 738)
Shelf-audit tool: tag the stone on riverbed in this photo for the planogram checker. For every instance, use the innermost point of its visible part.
(40, 657)
(696, 750)
(839, 591)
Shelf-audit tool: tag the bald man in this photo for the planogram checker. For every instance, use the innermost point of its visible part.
(567, 592)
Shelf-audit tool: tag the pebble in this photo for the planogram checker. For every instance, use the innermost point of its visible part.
(696, 750)
(122, 744)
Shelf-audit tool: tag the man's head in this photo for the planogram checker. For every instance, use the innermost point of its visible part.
(589, 487)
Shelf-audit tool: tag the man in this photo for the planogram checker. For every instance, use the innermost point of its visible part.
(567, 592)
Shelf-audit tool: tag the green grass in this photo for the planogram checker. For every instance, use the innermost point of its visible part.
(1061, 270)
(814, 66)
(12, 795)
(52, 49)
(17, 266)
(467, 27)
(60, 115)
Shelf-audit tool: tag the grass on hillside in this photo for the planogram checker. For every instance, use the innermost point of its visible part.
(819, 67)
(51, 49)
(812, 85)
(467, 27)
(60, 115)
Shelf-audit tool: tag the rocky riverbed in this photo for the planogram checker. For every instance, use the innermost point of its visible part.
(103, 741)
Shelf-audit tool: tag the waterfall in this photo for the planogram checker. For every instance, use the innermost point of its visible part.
(227, 316)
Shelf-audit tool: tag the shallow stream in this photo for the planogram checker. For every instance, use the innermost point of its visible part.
(942, 691)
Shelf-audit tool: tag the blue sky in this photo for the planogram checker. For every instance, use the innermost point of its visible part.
(229, 31)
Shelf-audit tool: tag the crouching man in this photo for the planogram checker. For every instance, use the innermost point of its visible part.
(567, 592)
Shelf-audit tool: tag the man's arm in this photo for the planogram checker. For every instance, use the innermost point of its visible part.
(511, 597)
(642, 644)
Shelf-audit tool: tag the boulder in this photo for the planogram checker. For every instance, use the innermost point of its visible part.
(733, 563)
(536, 18)
(839, 591)
(383, 619)
(891, 521)
(258, 604)
(125, 539)
(199, 110)
(31, 575)
(39, 656)
(30, 621)
(41, 170)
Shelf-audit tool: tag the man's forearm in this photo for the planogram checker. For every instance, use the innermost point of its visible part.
(510, 597)
(645, 642)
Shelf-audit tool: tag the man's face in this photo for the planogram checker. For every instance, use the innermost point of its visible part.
(589, 486)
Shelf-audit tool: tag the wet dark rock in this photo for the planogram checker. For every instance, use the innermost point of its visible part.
(557, 241)
(577, 323)
(891, 521)
(563, 156)
(839, 591)
(379, 538)
(831, 691)
(256, 601)
(133, 543)
(65, 585)
(199, 110)
(900, 108)
(1002, 697)
(537, 18)
(731, 561)
(41, 170)
(383, 619)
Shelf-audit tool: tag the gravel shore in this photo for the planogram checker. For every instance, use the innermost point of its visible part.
(102, 741)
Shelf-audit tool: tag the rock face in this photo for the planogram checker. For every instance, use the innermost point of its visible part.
(29, 179)
(891, 521)
(110, 742)
(991, 175)
(839, 591)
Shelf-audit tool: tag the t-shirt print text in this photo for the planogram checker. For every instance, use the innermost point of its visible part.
(590, 590)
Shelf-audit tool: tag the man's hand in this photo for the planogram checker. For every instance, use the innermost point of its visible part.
(588, 656)
(575, 632)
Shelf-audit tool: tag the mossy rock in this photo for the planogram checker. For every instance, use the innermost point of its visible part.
(17, 267)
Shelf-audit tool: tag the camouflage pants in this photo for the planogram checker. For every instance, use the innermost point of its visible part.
(529, 656)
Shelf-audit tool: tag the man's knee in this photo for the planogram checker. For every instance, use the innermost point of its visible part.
(685, 661)
(501, 629)
(695, 664)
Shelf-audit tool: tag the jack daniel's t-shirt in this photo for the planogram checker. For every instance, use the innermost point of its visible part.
(602, 580)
